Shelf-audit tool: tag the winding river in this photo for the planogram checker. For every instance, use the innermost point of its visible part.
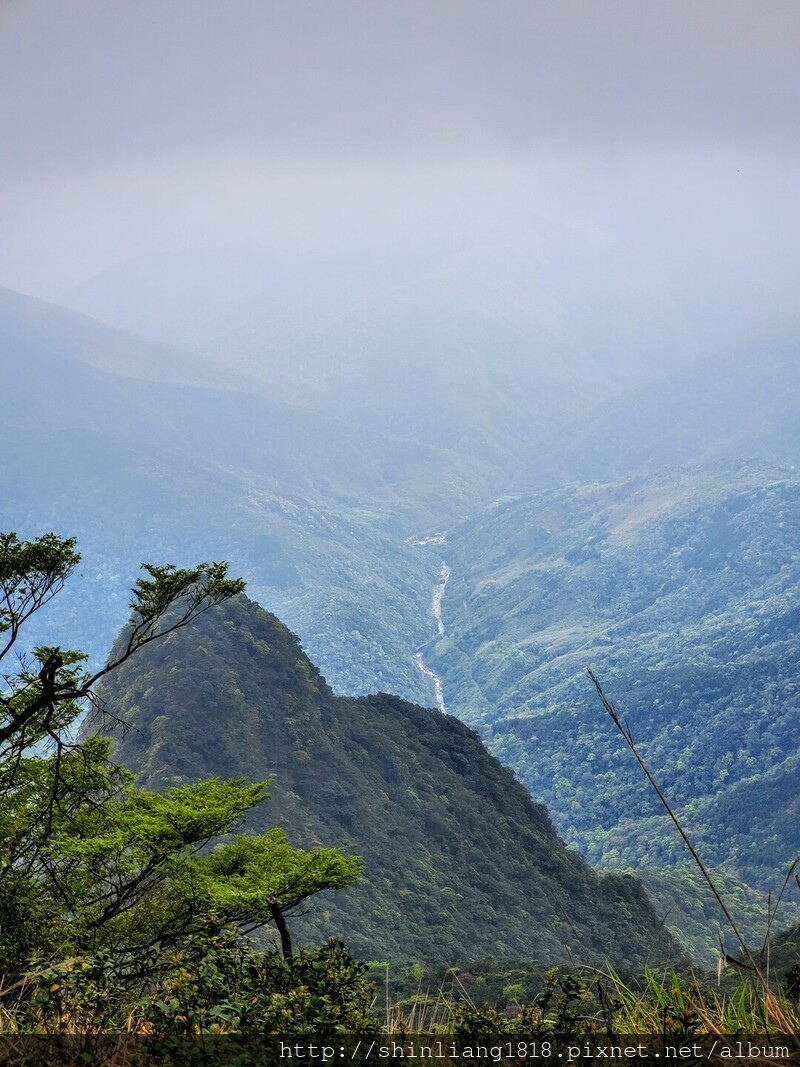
(436, 607)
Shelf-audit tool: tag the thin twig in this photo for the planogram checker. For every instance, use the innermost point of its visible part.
(624, 729)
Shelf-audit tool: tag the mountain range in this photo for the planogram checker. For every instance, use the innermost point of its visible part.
(311, 510)
(645, 526)
(447, 343)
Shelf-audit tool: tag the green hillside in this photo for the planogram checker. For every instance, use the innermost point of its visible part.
(461, 864)
(681, 591)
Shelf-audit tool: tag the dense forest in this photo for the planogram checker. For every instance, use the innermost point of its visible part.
(679, 588)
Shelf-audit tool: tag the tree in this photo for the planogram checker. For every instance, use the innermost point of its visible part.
(91, 866)
(42, 703)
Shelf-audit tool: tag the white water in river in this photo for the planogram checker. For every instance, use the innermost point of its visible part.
(436, 607)
(434, 677)
(438, 596)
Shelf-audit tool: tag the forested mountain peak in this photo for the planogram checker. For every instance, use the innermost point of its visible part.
(461, 863)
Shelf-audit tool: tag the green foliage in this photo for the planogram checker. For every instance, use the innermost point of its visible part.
(80, 994)
(241, 878)
(105, 888)
(564, 1006)
(220, 984)
(193, 590)
(213, 982)
(31, 573)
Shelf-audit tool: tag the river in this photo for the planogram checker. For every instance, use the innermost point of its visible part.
(436, 608)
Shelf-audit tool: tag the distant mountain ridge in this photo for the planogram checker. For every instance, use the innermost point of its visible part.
(312, 510)
(535, 360)
(39, 326)
(461, 864)
(82, 382)
(739, 404)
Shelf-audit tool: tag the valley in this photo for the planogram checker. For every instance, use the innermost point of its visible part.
(676, 582)
(399, 527)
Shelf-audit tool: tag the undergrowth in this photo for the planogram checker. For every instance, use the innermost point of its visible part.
(593, 1003)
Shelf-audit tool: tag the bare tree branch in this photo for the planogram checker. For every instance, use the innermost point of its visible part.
(624, 729)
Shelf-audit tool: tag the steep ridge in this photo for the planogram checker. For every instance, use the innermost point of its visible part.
(461, 864)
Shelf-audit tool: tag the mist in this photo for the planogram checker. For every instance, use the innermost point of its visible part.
(166, 167)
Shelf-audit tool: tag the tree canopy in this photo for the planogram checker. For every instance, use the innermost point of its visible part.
(92, 866)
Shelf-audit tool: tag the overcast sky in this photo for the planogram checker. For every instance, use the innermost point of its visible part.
(161, 125)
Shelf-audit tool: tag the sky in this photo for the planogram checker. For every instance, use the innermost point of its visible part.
(286, 129)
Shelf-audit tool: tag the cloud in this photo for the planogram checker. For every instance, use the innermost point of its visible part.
(109, 79)
(306, 126)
